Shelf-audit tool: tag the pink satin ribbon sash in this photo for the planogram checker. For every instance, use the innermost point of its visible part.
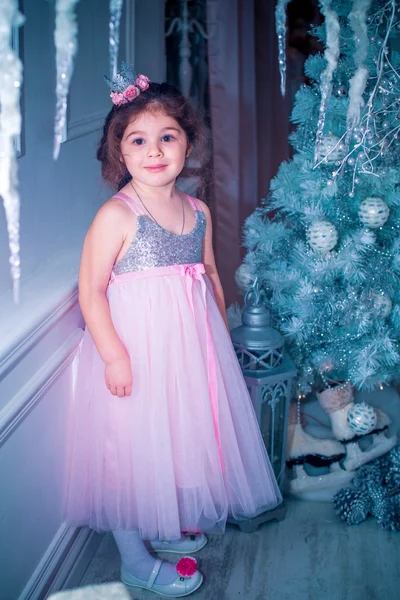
(189, 272)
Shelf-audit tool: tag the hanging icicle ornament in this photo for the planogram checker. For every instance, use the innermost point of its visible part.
(358, 22)
(10, 128)
(280, 25)
(115, 19)
(371, 130)
(331, 55)
(65, 38)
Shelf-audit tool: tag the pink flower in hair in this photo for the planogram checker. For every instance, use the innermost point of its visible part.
(143, 82)
(131, 92)
(118, 98)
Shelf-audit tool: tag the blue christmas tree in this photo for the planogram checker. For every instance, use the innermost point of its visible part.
(329, 258)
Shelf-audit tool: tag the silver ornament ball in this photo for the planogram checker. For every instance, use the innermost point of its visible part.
(330, 149)
(373, 212)
(362, 418)
(322, 236)
(244, 278)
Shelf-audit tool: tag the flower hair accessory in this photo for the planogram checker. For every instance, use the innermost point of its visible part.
(186, 566)
(126, 85)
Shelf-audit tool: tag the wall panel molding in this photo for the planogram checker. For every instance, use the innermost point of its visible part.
(64, 562)
(90, 124)
(23, 345)
(19, 407)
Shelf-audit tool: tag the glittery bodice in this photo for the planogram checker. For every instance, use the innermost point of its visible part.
(154, 246)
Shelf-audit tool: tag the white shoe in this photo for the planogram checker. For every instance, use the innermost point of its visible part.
(191, 543)
(182, 586)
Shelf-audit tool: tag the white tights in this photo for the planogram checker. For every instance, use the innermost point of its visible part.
(137, 560)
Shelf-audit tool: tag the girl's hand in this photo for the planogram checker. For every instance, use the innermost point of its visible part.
(118, 377)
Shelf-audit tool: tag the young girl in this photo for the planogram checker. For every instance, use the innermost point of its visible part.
(164, 438)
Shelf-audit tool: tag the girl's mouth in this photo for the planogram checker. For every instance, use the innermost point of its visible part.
(156, 168)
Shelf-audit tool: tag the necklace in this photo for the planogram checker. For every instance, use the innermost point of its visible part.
(155, 220)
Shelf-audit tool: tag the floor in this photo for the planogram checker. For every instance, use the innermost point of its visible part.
(311, 555)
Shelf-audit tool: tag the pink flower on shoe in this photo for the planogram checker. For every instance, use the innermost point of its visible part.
(187, 566)
(143, 82)
(118, 98)
(131, 92)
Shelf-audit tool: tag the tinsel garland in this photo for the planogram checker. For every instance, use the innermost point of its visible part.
(375, 491)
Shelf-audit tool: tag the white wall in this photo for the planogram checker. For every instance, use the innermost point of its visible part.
(39, 337)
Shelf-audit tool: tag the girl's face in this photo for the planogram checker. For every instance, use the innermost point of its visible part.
(154, 148)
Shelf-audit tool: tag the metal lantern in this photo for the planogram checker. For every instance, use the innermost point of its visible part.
(268, 372)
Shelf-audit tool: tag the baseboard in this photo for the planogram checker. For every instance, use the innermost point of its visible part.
(63, 564)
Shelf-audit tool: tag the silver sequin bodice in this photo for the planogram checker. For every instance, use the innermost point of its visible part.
(154, 246)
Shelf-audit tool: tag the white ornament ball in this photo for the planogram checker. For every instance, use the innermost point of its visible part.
(330, 149)
(373, 212)
(362, 419)
(243, 277)
(322, 236)
(382, 303)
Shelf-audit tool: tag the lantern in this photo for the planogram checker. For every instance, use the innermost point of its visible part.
(268, 372)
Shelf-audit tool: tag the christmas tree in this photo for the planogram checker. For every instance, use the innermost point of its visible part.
(329, 257)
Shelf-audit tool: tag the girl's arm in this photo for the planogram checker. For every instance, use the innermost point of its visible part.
(102, 244)
(210, 266)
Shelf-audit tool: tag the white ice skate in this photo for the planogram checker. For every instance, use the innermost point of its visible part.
(304, 449)
(321, 488)
(352, 422)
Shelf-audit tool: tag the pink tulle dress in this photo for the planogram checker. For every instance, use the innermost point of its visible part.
(184, 450)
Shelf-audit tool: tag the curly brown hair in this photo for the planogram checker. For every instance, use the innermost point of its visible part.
(158, 97)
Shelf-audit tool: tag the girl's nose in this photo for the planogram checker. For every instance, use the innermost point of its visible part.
(154, 151)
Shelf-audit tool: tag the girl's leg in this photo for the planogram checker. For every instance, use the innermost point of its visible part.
(137, 560)
(188, 544)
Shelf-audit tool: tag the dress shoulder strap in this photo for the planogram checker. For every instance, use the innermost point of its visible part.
(194, 202)
(134, 206)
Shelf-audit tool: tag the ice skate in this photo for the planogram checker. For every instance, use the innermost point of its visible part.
(319, 487)
(304, 449)
(352, 422)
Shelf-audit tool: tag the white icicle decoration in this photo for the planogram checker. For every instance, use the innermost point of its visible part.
(331, 55)
(115, 19)
(10, 127)
(280, 25)
(65, 38)
(358, 22)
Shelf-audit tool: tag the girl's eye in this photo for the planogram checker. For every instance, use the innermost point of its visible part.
(138, 141)
(167, 138)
